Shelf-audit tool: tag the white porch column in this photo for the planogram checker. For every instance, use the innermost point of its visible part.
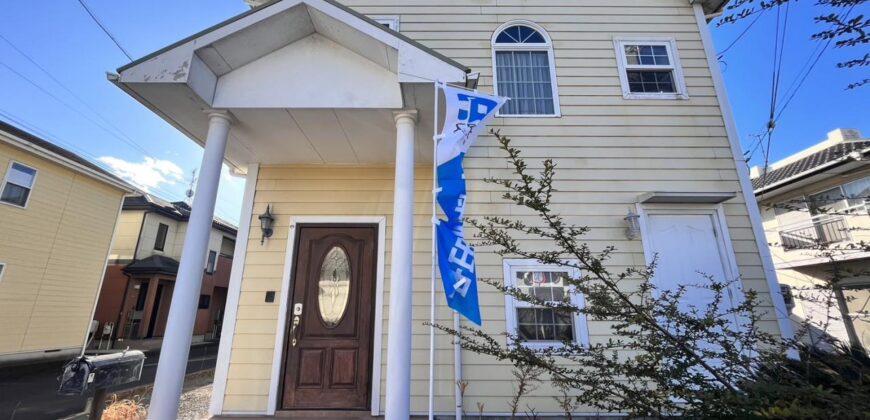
(182, 312)
(401, 267)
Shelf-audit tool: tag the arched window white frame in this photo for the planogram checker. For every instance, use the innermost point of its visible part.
(523, 69)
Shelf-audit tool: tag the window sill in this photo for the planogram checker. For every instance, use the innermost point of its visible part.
(656, 96)
(24, 207)
(542, 345)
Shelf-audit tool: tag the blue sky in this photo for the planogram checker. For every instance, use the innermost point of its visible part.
(88, 115)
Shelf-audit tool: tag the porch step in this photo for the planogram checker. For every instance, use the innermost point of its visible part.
(304, 415)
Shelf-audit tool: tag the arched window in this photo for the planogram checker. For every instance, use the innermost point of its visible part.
(523, 70)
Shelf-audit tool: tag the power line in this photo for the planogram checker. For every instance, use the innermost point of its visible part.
(105, 30)
(68, 90)
(159, 191)
(130, 142)
(811, 67)
(734, 42)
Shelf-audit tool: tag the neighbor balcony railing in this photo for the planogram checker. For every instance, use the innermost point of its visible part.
(824, 231)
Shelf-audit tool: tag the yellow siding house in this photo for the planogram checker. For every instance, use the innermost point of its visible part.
(57, 220)
(327, 107)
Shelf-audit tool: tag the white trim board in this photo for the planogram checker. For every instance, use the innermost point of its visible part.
(234, 293)
(280, 332)
(782, 312)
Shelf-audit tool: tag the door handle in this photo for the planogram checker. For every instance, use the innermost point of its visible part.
(297, 314)
(293, 329)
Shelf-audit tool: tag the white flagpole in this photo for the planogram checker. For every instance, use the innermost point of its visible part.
(434, 259)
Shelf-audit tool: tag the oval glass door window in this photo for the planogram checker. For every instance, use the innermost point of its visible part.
(334, 286)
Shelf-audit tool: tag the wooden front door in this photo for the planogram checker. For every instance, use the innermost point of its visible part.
(328, 348)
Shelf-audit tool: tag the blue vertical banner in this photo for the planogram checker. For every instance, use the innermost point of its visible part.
(466, 116)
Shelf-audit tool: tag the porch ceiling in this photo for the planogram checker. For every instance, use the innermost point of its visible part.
(307, 81)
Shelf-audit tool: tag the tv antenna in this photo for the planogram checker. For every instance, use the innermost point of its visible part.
(189, 192)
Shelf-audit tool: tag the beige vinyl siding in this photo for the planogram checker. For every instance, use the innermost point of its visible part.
(608, 150)
(293, 191)
(148, 235)
(55, 251)
(127, 235)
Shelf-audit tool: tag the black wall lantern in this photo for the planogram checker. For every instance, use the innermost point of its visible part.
(266, 220)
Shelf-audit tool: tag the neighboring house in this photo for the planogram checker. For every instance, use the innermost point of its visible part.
(816, 216)
(57, 220)
(143, 264)
(328, 109)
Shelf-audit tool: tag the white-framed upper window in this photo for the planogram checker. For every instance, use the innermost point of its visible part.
(538, 326)
(389, 22)
(17, 184)
(524, 70)
(649, 68)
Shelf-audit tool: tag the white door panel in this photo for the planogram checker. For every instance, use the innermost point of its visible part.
(688, 250)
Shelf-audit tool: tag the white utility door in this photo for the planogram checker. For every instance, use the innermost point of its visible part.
(688, 248)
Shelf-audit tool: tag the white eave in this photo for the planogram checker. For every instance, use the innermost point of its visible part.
(283, 56)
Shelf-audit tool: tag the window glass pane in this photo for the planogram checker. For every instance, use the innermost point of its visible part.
(212, 259)
(334, 286)
(520, 34)
(505, 37)
(535, 38)
(651, 81)
(792, 211)
(160, 241)
(524, 76)
(13, 194)
(632, 53)
(826, 202)
(21, 175)
(204, 301)
(526, 332)
(647, 55)
(537, 323)
(857, 192)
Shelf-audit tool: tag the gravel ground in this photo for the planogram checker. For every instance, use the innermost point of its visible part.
(195, 398)
(194, 403)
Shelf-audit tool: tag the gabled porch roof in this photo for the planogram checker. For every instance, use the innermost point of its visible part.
(307, 81)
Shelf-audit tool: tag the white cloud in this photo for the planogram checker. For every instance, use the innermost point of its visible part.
(147, 175)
